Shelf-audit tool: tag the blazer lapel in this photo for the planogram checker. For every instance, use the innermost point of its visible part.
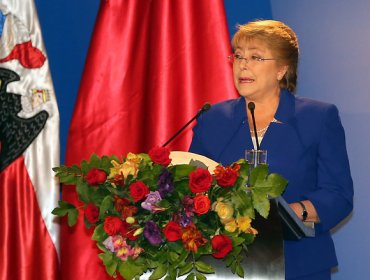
(285, 120)
(239, 139)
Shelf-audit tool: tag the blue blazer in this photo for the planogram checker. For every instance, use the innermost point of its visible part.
(306, 146)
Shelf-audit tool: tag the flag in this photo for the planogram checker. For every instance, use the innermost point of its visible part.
(151, 66)
(29, 148)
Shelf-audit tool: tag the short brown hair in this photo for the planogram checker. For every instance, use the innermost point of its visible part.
(280, 39)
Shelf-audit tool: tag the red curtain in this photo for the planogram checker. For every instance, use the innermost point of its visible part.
(151, 66)
(27, 250)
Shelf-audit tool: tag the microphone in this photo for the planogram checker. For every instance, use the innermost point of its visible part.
(205, 108)
(251, 107)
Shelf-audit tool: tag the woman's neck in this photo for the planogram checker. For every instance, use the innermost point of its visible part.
(264, 111)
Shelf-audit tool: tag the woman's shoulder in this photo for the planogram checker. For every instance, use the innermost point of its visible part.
(227, 108)
(305, 106)
(306, 103)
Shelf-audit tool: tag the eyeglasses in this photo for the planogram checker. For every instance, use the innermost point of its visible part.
(237, 58)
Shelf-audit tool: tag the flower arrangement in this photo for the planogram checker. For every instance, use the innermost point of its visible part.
(151, 215)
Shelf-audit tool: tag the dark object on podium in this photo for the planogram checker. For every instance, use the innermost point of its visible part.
(265, 258)
(293, 227)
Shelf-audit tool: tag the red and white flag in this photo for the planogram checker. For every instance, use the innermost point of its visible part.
(151, 66)
(29, 148)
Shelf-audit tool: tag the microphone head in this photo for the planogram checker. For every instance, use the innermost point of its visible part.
(206, 107)
(251, 106)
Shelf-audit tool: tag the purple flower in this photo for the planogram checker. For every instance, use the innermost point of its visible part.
(108, 243)
(165, 183)
(185, 221)
(151, 200)
(152, 233)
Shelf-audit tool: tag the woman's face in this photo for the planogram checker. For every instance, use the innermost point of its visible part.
(254, 77)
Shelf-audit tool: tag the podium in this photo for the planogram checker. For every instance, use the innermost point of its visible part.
(265, 258)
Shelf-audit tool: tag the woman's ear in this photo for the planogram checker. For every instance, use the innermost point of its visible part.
(282, 72)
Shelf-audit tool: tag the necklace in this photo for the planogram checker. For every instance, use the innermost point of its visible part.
(261, 132)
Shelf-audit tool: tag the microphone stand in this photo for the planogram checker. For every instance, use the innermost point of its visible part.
(205, 108)
(251, 107)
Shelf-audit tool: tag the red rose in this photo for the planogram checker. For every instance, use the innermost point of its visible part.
(112, 225)
(200, 180)
(92, 213)
(222, 245)
(96, 176)
(138, 191)
(160, 155)
(226, 177)
(172, 231)
(201, 204)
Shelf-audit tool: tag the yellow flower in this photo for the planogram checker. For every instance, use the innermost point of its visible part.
(231, 226)
(129, 167)
(244, 224)
(224, 210)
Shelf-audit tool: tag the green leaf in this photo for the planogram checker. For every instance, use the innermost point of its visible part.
(60, 212)
(129, 269)
(164, 203)
(173, 257)
(240, 271)
(261, 203)
(85, 166)
(69, 179)
(236, 250)
(277, 183)
(171, 274)
(94, 161)
(110, 262)
(178, 248)
(106, 163)
(82, 189)
(64, 209)
(182, 170)
(241, 183)
(57, 168)
(159, 272)
(191, 276)
(106, 204)
(233, 267)
(244, 168)
(185, 269)
(99, 233)
(75, 169)
(204, 267)
(243, 203)
(72, 217)
(200, 276)
(181, 259)
(237, 241)
(228, 259)
(258, 174)
(248, 238)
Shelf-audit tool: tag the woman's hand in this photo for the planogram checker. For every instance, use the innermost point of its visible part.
(311, 211)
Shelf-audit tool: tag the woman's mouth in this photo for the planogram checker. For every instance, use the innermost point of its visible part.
(245, 80)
